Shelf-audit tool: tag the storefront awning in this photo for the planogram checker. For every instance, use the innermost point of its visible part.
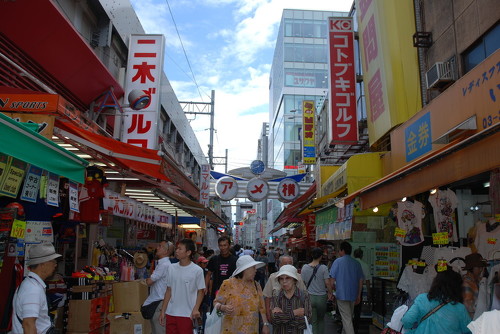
(137, 159)
(454, 162)
(319, 202)
(20, 142)
(289, 214)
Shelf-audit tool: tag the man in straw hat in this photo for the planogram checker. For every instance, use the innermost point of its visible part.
(474, 264)
(30, 309)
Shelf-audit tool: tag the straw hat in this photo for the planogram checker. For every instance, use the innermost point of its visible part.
(41, 253)
(288, 270)
(474, 260)
(244, 262)
(140, 259)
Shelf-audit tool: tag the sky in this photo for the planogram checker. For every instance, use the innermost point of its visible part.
(226, 46)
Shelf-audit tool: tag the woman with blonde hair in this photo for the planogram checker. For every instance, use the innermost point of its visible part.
(240, 300)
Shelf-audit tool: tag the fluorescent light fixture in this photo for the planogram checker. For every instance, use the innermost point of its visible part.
(189, 226)
(403, 199)
(433, 191)
(84, 156)
(486, 184)
(375, 209)
(122, 179)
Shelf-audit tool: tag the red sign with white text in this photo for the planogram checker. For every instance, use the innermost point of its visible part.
(144, 71)
(343, 127)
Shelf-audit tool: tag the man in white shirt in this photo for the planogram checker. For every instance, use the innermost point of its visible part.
(185, 291)
(158, 284)
(30, 314)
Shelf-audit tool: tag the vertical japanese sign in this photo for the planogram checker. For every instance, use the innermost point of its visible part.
(205, 185)
(308, 138)
(53, 190)
(31, 184)
(73, 197)
(418, 137)
(144, 71)
(343, 127)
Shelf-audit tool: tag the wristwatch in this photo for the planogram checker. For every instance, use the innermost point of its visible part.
(266, 324)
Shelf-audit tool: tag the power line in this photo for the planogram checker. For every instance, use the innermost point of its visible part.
(184, 50)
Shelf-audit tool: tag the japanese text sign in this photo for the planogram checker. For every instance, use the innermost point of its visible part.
(12, 177)
(144, 71)
(288, 190)
(226, 188)
(418, 137)
(53, 190)
(343, 127)
(205, 185)
(18, 229)
(308, 131)
(440, 238)
(31, 184)
(257, 189)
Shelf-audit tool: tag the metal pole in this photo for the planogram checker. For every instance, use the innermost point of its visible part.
(211, 146)
(226, 162)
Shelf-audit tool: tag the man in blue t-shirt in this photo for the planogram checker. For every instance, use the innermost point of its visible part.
(348, 280)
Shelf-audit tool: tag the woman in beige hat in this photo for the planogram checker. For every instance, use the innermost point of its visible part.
(240, 300)
(290, 305)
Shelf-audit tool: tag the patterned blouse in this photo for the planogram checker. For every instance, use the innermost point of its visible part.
(286, 322)
(470, 291)
(246, 299)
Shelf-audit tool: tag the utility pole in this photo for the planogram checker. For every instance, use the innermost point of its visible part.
(204, 108)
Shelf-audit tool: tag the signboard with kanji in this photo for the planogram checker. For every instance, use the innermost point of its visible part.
(144, 71)
(308, 130)
(288, 190)
(343, 127)
(31, 184)
(418, 137)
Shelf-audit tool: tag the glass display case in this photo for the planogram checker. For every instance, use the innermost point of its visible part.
(384, 293)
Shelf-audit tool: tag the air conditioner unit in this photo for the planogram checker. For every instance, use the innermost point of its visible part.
(439, 75)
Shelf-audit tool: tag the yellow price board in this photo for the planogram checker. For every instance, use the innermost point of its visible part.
(442, 265)
(399, 232)
(440, 238)
(18, 229)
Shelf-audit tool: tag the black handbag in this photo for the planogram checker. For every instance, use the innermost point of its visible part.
(149, 310)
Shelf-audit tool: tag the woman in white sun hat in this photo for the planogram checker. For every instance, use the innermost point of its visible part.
(240, 300)
(289, 305)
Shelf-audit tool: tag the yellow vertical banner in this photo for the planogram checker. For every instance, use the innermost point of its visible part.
(308, 133)
(390, 63)
(12, 177)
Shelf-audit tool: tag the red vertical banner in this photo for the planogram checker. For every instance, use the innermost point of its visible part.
(343, 127)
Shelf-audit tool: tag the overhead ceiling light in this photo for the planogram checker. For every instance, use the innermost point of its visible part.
(375, 209)
(137, 190)
(186, 226)
(486, 184)
(433, 191)
(122, 179)
(403, 199)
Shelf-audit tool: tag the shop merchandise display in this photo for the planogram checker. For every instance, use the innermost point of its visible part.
(416, 283)
(444, 203)
(410, 216)
(488, 238)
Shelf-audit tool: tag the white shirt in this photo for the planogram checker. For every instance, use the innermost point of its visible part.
(366, 269)
(30, 301)
(159, 277)
(184, 281)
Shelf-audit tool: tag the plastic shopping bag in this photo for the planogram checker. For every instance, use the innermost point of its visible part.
(213, 324)
(309, 328)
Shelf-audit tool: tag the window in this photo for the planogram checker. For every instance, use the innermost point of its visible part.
(486, 45)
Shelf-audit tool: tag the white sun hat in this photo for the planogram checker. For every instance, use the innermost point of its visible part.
(41, 253)
(288, 270)
(244, 262)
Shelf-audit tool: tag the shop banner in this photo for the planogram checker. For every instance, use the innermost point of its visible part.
(53, 190)
(308, 130)
(13, 178)
(38, 231)
(31, 184)
(205, 185)
(73, 197)
(18, 229)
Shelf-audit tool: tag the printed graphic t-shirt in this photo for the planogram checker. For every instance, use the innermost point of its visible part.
(222, 269)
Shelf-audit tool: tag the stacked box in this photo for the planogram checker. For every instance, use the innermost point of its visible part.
(128, 323)
(129, 296)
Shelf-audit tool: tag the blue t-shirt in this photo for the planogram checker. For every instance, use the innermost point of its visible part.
(347, 273)
(451, 318)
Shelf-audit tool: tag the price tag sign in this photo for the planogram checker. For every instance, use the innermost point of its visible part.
(18, 229)
(440, 238)
(492, 241)
(442, 265)
(399, 232)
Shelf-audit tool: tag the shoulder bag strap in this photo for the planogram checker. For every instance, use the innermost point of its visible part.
(434, 310)
(314, 274)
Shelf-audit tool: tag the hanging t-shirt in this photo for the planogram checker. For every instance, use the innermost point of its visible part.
(488, 239)
(410, 216)
(444, 203)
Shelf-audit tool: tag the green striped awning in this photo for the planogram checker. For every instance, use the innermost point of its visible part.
(24, 144)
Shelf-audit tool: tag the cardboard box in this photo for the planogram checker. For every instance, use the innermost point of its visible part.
(128, 323)
(129, 296)
(85, 315)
